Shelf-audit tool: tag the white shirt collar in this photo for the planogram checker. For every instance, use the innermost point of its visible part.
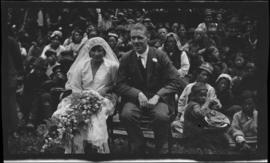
(144, 54)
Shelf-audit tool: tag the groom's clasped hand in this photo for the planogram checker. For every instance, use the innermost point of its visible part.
(147, 103)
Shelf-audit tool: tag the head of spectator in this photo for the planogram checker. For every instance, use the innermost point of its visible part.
(51, 57)
(59, 76)
(199, 33)
(112, 39)
(92, 33)
(233, 26)
(56, 39)
(40, 41)
(130, 12)
(172, 42)
(139, 37)
(138, 13)
(123, 33)
(77, 36)
(220, 15)
(66, 60)
(167, 25)
(205, 71)
(208, 18)
(190, 33)
(249, 26)
(159, 25)
(130, 22)
(198, 93)
(148, 23)
(162, 32)
(121, 17)
(212, 30)
(248, 103)
(90, 27)
(29, 63)
(224, 83)
(250, 68)
(40, 67)
(182, 32)
(106, 14)
(175, 27)
(239, 61)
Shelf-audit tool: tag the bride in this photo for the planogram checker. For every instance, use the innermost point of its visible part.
(95, 68)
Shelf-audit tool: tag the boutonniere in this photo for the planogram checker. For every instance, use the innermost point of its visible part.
(154, 60)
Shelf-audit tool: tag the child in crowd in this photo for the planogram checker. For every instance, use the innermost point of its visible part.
(244, 124)
(224, 94)
(205, 70)
(197, 130)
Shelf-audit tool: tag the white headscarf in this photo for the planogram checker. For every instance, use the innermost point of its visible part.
(83, 55)
(175, 36)
(226, 76)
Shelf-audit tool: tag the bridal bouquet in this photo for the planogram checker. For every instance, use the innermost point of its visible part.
(63, 128)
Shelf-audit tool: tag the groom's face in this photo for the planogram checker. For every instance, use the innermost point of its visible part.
(139, 40)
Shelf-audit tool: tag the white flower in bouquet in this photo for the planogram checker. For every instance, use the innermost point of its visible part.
(76, 117)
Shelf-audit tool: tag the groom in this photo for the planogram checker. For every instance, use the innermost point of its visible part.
(147, 82)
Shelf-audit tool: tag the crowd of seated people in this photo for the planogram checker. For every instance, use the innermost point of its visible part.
(214, 55)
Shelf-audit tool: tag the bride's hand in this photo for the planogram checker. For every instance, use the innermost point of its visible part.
(102, 92)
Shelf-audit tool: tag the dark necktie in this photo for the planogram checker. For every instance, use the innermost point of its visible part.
(139, 59)
(141, 67)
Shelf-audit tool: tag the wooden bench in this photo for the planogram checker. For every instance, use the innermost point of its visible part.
(118, 129)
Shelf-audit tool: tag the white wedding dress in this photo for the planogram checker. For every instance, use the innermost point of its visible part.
(80, 79)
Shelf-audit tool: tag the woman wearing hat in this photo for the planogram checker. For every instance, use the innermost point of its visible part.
(55, 44)
(204, 72)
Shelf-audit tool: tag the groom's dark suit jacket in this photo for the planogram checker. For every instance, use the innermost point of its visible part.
(161, 78)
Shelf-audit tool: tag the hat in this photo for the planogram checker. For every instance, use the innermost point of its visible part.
(201, 28)
(113, 35)
(49, 53)
(121, 14)
(56, 33)
(130, 21)
(225, 76)
(207, 67)
(147, 20)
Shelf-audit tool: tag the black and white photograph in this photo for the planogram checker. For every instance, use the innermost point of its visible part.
(134, 80)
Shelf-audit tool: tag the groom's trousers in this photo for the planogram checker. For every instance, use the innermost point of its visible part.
(130, 117)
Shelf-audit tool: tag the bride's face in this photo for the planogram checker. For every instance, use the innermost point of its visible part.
(97, 53)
